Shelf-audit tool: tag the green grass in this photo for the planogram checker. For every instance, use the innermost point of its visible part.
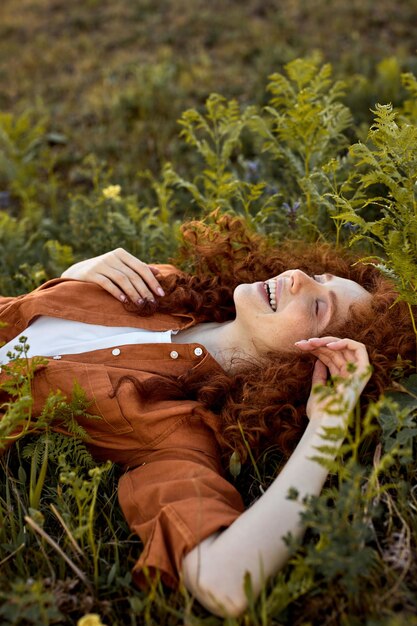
(114, 76)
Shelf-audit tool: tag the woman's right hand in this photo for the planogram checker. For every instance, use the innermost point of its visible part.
(121, 274)
(344, 359)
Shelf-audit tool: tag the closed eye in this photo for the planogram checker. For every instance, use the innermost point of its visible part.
(321, 307)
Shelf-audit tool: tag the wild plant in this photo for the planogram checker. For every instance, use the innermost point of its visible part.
(380, 196)
(272, 165)
(303, 130)
(216, 136)
(22, 151)
(17, 419)
(21, 253)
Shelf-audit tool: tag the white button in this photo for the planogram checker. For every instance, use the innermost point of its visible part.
(57, 357)
(174, 354)
(115, 351)
(198, 351)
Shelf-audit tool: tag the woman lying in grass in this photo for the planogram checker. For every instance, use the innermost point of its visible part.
(185, 370)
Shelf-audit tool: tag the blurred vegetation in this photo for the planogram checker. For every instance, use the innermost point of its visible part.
(112, 77)
(118, 121)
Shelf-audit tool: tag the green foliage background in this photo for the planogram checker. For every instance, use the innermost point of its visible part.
(118, 121)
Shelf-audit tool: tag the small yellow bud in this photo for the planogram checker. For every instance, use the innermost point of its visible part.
(91, 619)
(112, 192)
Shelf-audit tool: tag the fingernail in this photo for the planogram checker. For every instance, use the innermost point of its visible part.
(123, 298)
(160, 291)
(139, 301)
(313, 338)
(301, 341)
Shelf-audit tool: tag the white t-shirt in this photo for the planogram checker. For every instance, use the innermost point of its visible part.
(51, 336)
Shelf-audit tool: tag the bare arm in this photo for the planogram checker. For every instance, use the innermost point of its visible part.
(214, 571)
(121, 274)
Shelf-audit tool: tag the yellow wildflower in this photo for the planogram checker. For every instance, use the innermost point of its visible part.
(91, 619)
(112, 192)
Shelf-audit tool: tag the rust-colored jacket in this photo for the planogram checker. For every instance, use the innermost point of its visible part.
(173, 494)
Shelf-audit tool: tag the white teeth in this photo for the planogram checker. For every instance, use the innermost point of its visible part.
(271, 289)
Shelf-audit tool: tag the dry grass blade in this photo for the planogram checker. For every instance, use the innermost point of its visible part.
(36, 528)
(67, 530)
(12, 554)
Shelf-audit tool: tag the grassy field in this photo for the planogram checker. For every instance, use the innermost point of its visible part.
(112, 77)
(95, 94)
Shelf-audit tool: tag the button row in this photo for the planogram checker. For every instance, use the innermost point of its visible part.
(174, 354)
(116, 351)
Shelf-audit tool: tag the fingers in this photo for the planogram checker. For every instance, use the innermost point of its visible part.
(347, 347)
(130, 284)
(319, 374)
(337, 354)
(343, 350)
(109, 286)
(121, 274)
(141, 276)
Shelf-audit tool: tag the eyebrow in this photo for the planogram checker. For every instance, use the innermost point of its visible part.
(333, 300)
(334, 305)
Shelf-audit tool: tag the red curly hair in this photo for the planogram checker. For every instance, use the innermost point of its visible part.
(267, 401)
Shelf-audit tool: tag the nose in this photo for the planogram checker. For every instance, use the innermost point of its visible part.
(300, 279)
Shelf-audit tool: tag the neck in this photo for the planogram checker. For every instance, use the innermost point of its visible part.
(221, 340)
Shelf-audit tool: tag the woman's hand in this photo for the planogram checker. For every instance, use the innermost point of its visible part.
(344, 359)
(121, 274)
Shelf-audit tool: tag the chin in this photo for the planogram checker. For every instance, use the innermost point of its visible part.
(242, 293)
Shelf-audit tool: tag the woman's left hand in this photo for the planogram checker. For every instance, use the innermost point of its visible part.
(345, 359)
(121, 274)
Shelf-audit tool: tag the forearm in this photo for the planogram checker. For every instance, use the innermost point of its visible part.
(214, 571)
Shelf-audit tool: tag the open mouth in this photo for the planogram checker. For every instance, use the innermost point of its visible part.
(271, 290)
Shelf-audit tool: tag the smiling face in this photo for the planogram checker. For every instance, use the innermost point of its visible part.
(293, 306)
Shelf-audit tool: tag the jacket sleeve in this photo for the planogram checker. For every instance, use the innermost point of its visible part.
(173, 502)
